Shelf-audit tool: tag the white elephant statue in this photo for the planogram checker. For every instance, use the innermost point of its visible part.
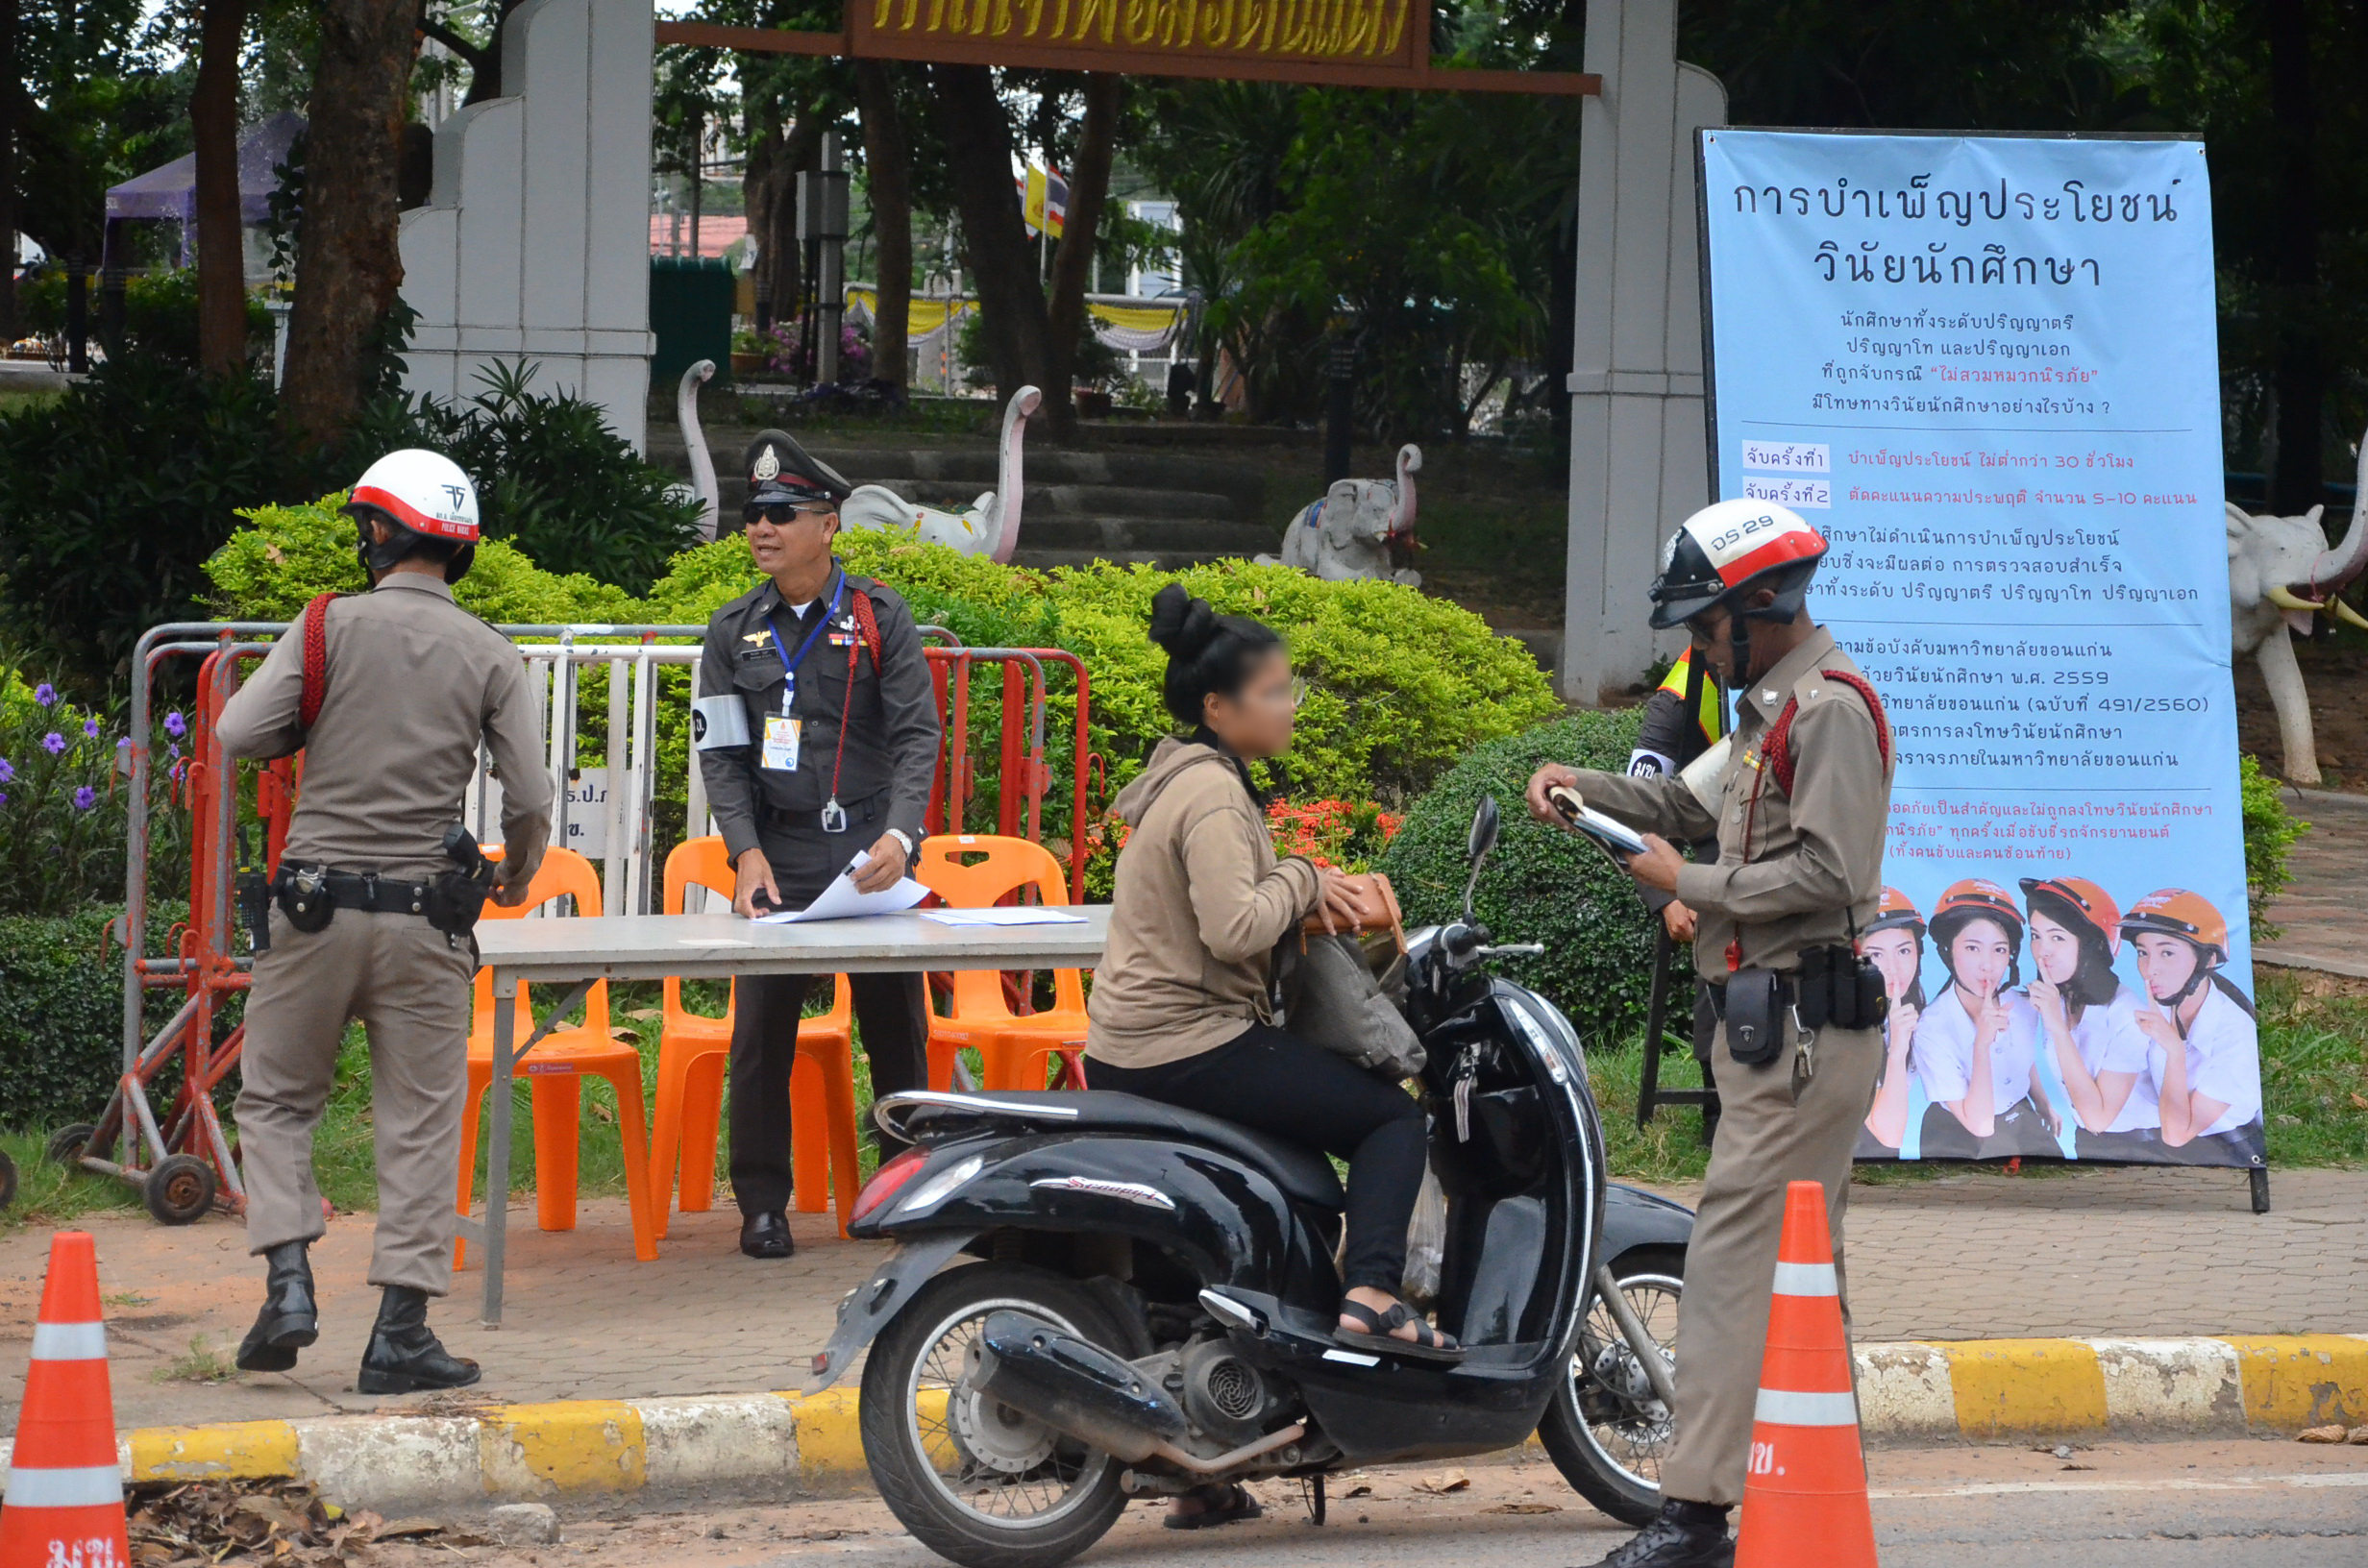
(2280, 573)
(989, 526)
(1351, 531)
(703, 487)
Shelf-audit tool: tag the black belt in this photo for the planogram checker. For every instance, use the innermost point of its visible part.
(374, 894)
(858, 811)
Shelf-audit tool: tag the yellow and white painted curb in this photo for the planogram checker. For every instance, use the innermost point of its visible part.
(778, 1445)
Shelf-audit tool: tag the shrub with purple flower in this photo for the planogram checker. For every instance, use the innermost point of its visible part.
(176, 725)
(62, 814)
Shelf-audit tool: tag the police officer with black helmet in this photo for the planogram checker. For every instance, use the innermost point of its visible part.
(818, 734)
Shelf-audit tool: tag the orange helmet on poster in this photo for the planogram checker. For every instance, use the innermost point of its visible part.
(2176, 912)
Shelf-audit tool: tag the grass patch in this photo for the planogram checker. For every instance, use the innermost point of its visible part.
(2314, 1066)
(204, 1363)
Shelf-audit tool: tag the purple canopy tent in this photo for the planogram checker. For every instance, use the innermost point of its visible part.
(170, 192)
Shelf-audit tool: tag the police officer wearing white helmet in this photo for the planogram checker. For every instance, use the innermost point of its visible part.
(1797, 798)
(388, 694)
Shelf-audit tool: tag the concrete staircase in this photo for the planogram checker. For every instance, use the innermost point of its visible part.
(1126, 506)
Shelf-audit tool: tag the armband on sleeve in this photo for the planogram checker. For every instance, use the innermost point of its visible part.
(719, 724)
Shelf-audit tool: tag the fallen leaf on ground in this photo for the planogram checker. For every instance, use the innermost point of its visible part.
(1525, 1507)
(642, 1015)
(395, 1530)
(2359, 1434)
(1358, 1491)
(2322, 1435)
(1445, 1482)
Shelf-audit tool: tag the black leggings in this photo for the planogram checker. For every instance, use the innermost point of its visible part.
(1277, 1084)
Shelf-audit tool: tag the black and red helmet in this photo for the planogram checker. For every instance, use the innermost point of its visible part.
(1729, 548)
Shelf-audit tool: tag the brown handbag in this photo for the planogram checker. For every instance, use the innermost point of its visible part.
(1377, 912)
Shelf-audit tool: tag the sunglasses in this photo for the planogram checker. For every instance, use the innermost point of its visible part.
(782, 514)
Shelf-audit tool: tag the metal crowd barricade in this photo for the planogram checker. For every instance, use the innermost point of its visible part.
(183, 1162)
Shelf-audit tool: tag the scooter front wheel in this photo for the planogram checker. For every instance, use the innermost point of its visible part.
(974, 1481)
(1605, 1429)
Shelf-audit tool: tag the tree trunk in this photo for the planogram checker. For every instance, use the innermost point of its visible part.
(2298, 482)
(887, 158)
(9, 95)
(214, 121)
(348, 269)
(770, 186)
(1088, 186)
(1012, 315)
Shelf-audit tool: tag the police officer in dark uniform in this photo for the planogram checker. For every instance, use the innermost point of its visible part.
(818, 734)
(1684, 717)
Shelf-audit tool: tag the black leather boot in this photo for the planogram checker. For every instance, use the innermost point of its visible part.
(1685, 1536)
(403, 1353)
(289, 1320)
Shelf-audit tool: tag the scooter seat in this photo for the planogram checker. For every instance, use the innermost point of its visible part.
(1302, 1174)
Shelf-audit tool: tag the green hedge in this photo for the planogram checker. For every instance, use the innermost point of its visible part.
(1400, 685)
(61, 1031)
(1542, 884)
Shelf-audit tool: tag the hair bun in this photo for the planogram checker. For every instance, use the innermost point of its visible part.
(1180, 624)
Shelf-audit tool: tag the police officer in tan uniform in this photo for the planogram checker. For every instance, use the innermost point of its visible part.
(373, 912)
(817, 732)
(1799, 800)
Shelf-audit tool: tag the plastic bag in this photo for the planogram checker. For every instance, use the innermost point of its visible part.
(1426, 1242)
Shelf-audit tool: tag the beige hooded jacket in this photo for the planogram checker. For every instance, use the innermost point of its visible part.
(1199, 904)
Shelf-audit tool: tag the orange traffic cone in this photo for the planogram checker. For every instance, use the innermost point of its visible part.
(1805, 1493)
(64, 1503)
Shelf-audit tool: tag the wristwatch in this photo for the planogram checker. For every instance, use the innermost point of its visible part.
(897, 834)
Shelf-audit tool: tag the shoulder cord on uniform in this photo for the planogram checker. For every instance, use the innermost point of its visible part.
(314, 629)
(867, 626)
(1776, 756)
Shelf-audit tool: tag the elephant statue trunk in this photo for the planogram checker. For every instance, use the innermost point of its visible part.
(1004, 506)
(703, 462)
(2281, 576)
(1402, 516)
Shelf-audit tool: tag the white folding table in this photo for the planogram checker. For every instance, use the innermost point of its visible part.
(718, 947)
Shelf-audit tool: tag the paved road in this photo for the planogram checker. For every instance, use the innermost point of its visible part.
(2227, 1504)
(1967, 1256)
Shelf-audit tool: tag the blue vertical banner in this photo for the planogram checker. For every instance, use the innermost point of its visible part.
(1985, 368)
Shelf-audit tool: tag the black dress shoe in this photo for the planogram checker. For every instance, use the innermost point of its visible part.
(403, 1355)
(1685, 1536)
(766, 1236)
(289, 1320)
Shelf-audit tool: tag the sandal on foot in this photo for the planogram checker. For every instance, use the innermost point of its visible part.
(1428, 1345)
(1228, 1505)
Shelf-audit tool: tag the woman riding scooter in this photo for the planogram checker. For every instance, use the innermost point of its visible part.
(1179, 1005)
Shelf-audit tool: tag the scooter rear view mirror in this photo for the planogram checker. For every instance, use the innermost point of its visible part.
(1483, 830)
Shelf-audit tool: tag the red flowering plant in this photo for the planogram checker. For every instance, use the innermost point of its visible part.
(1348, 834)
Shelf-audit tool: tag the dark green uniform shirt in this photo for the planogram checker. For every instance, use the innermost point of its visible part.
(888, 713)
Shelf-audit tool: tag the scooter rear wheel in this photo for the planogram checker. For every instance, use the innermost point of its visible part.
(1604, 1430)
(976, 1482)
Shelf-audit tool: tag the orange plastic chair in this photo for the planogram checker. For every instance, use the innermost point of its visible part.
(1015, 1048)
(555, 1068)
(694, 1051)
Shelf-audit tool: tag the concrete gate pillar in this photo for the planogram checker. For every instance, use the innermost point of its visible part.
(1638, 461)
(535, 241)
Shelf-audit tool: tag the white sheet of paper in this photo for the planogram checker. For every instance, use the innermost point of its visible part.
(840, 901)
(1011, 915)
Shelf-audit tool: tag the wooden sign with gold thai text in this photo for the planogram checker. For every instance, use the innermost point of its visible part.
(1369, 40)
(1357, 43)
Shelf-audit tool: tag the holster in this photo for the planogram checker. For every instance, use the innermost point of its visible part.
(304, 897)
(1755, 1002)
(454, 901)
(1839, 987)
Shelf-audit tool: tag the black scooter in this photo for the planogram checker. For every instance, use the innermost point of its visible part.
(1155, 1304)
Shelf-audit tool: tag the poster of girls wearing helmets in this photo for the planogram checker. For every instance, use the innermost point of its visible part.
(1986, 369)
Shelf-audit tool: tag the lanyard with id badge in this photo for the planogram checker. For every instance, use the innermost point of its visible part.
(783, 730)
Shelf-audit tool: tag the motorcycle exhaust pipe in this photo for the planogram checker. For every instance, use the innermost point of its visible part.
(1074, 1388)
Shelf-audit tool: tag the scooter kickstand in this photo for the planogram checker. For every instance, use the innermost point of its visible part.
(1312, 1485)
